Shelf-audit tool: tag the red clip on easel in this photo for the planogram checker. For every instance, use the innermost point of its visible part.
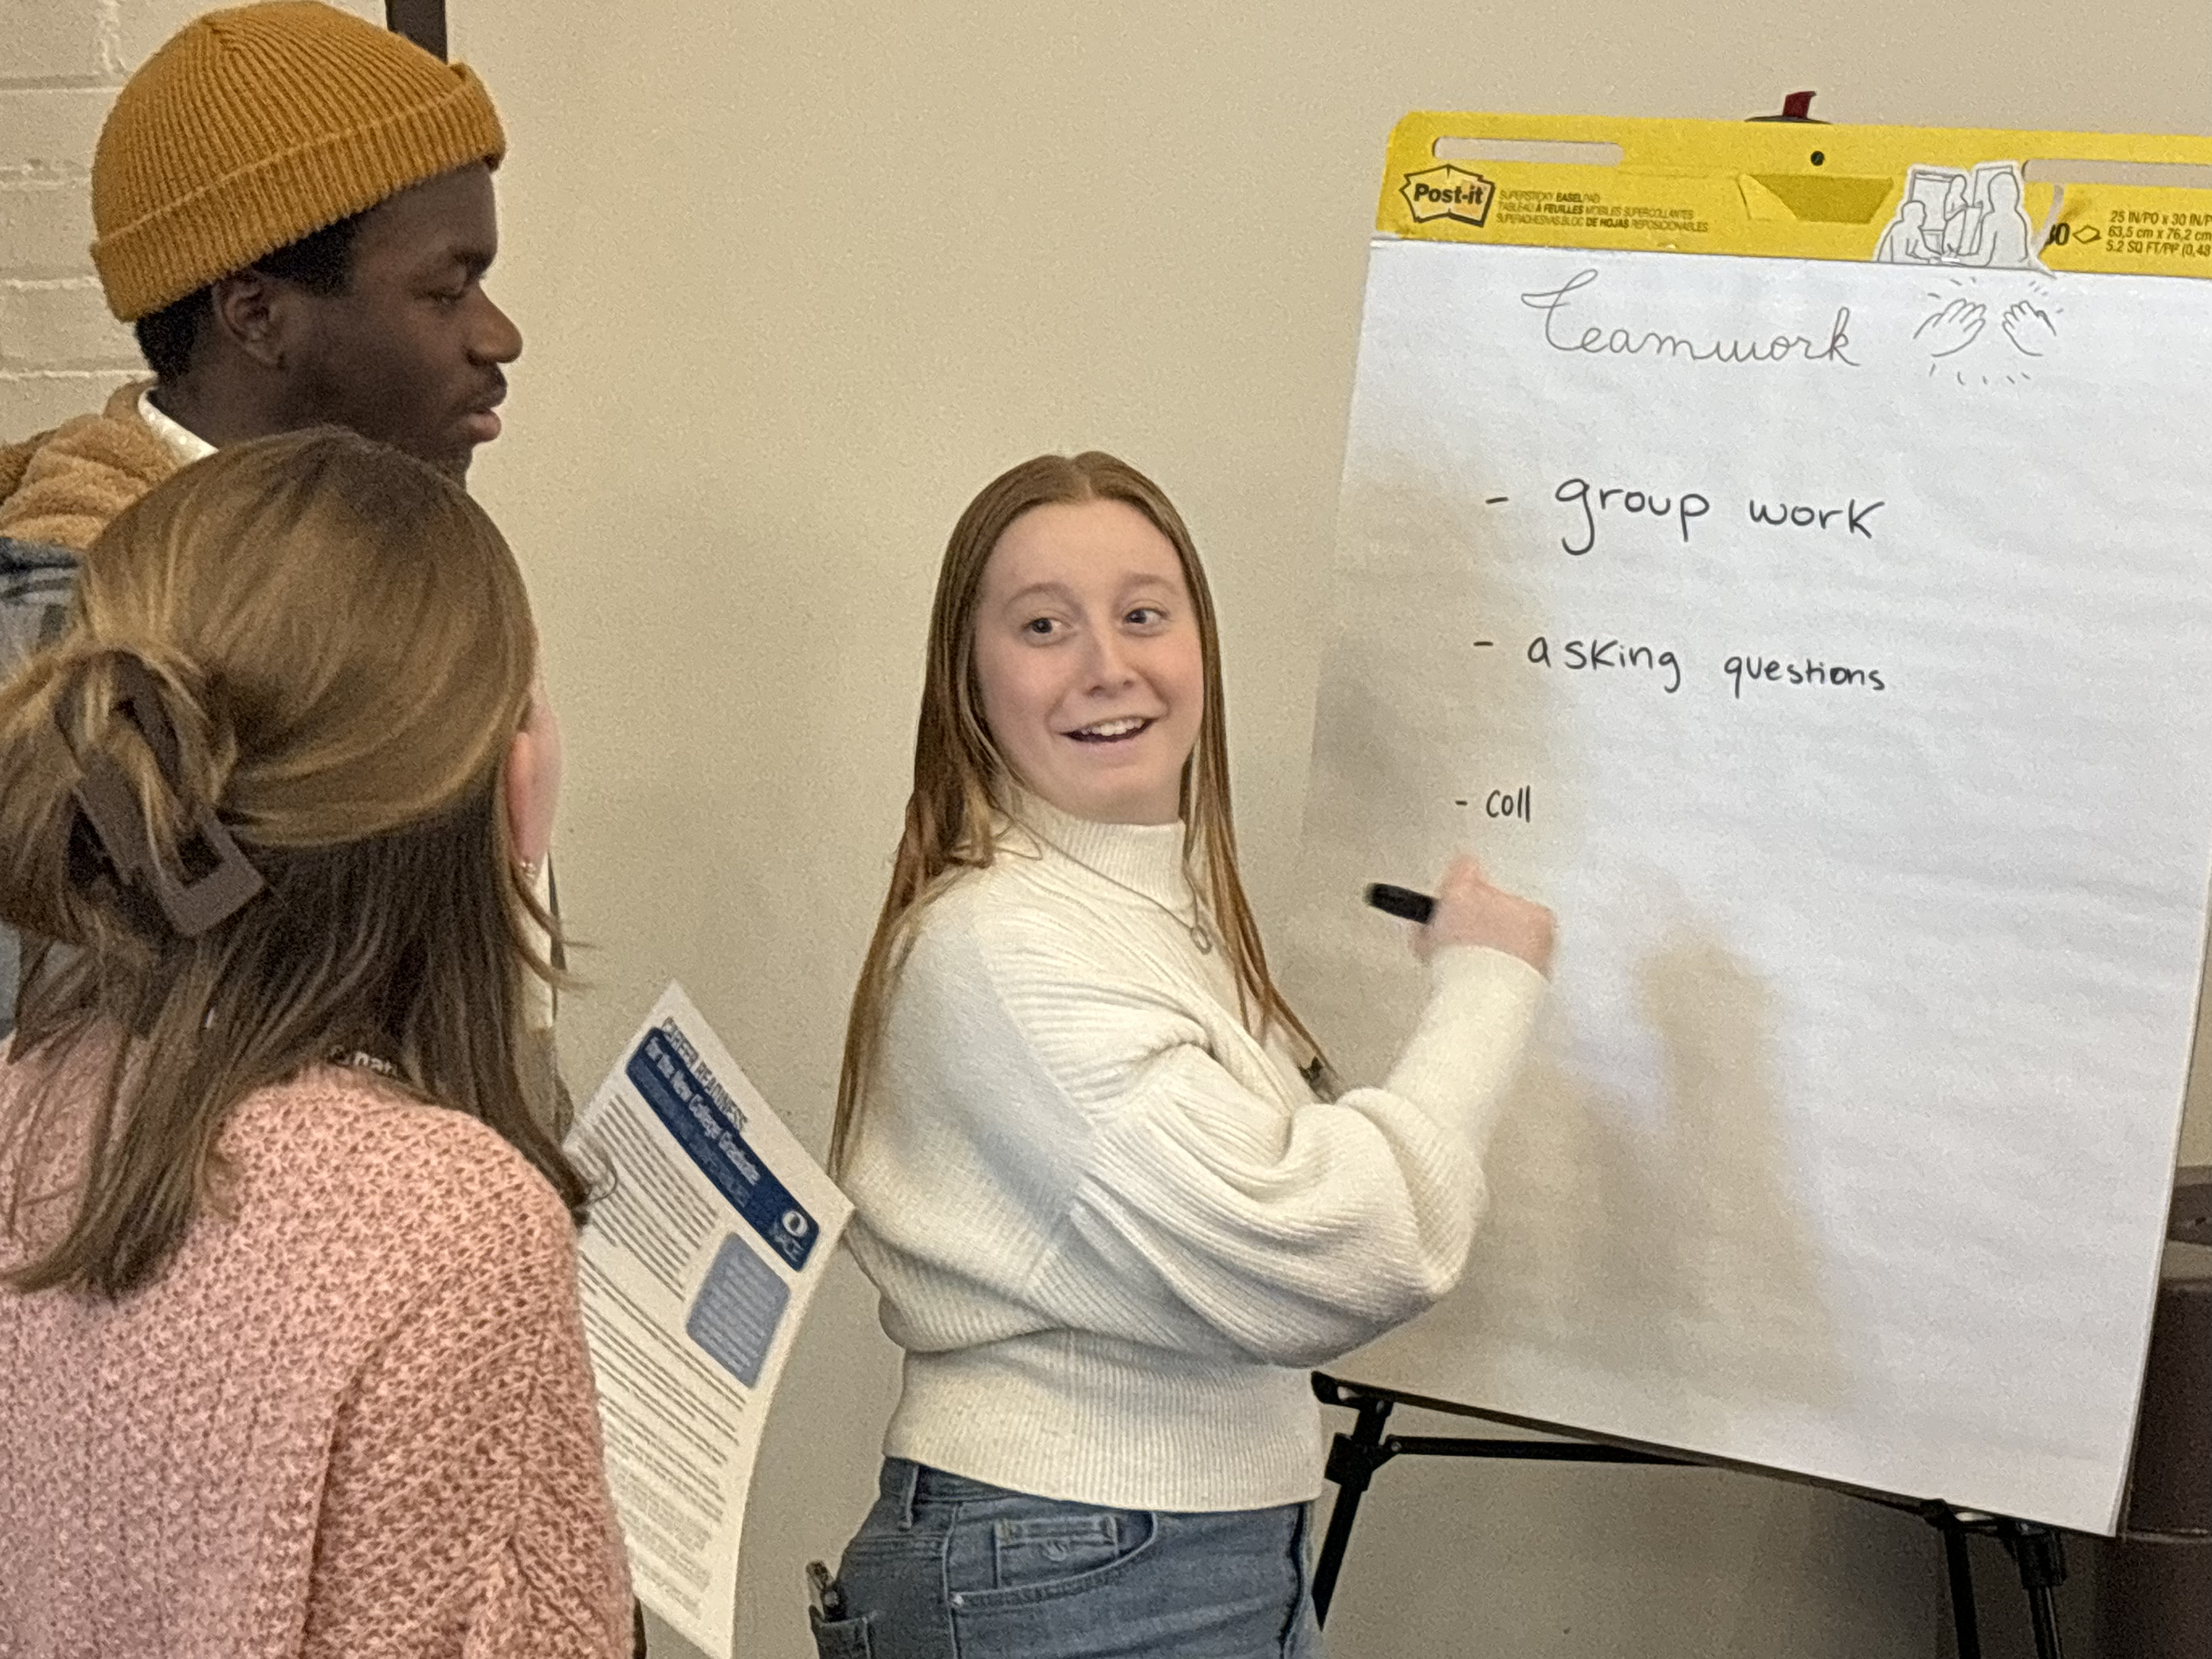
(1795, 106)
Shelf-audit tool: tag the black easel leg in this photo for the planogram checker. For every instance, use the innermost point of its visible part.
(2043, 1609)
(1353, 1460)
(1965, 1626)
(2041, 1554)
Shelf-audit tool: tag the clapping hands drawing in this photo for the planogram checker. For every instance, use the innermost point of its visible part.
(2030, 329)
(1957, 323)
(1954, 328)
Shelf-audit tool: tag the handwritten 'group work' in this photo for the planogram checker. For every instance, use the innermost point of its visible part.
(1589, 504)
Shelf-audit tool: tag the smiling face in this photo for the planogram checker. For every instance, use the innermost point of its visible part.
(1089, 661)
(410, 349)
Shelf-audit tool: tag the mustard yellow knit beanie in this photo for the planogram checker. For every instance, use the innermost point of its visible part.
(258, 126)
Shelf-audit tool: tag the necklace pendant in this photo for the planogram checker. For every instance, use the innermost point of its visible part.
(1201, 939)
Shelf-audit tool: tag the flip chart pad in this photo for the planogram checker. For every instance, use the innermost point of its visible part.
(1830, 644)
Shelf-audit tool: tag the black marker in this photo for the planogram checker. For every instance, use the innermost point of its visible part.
(1402, 902)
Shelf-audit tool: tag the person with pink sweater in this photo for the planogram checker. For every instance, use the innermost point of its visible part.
(291, 1358)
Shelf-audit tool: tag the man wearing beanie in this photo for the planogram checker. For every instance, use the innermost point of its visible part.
(294, 208)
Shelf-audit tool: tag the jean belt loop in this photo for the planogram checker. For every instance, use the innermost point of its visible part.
(909, 1484)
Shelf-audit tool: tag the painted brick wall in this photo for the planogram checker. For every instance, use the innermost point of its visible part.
(60, 64)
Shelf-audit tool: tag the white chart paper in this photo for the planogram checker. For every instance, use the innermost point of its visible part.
(698, 1268)
(1831, 646)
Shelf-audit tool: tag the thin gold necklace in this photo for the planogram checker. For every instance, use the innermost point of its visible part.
(1195, 926)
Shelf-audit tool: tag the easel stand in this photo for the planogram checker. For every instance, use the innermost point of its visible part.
(1353, 1458)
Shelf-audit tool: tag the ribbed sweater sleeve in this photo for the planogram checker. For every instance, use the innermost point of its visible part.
(1110, 1224)
(1299, 1236)
(465, 1508)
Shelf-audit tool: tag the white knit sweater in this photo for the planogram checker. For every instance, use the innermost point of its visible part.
(1111, 1228)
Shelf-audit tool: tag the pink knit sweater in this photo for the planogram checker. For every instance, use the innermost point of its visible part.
(353, 1417)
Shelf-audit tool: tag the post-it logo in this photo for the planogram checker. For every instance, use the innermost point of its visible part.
(1449, 193)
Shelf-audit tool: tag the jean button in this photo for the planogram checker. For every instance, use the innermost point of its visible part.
(959, 1600)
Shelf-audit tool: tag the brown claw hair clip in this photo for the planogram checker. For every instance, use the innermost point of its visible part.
(104, 798)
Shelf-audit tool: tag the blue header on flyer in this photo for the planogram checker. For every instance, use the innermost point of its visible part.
(698, 1111)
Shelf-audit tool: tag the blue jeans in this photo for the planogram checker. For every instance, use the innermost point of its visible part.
(949, 1568)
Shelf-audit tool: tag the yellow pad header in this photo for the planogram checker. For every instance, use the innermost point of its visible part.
(1928, 196)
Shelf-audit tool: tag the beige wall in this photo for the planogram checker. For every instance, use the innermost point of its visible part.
(797, 278)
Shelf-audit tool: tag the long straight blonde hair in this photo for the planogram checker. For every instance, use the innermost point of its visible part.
(959, 801)
(339, 651)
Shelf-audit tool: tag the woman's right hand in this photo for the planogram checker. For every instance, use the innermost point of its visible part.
(1471, 911)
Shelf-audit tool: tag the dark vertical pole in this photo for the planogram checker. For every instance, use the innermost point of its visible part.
(1964, 1623)
(422, 22)
(1353, 1460)
(2041, 1554)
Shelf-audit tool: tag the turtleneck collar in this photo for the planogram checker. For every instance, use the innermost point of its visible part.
(1147, 857)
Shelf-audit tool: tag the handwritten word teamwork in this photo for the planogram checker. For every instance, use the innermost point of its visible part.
(1598, 340)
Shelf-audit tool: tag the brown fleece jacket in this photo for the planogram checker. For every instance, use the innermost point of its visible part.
(61, 487)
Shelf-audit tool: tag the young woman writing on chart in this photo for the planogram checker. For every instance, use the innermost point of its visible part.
(291, 1361)
(1111, 1223)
